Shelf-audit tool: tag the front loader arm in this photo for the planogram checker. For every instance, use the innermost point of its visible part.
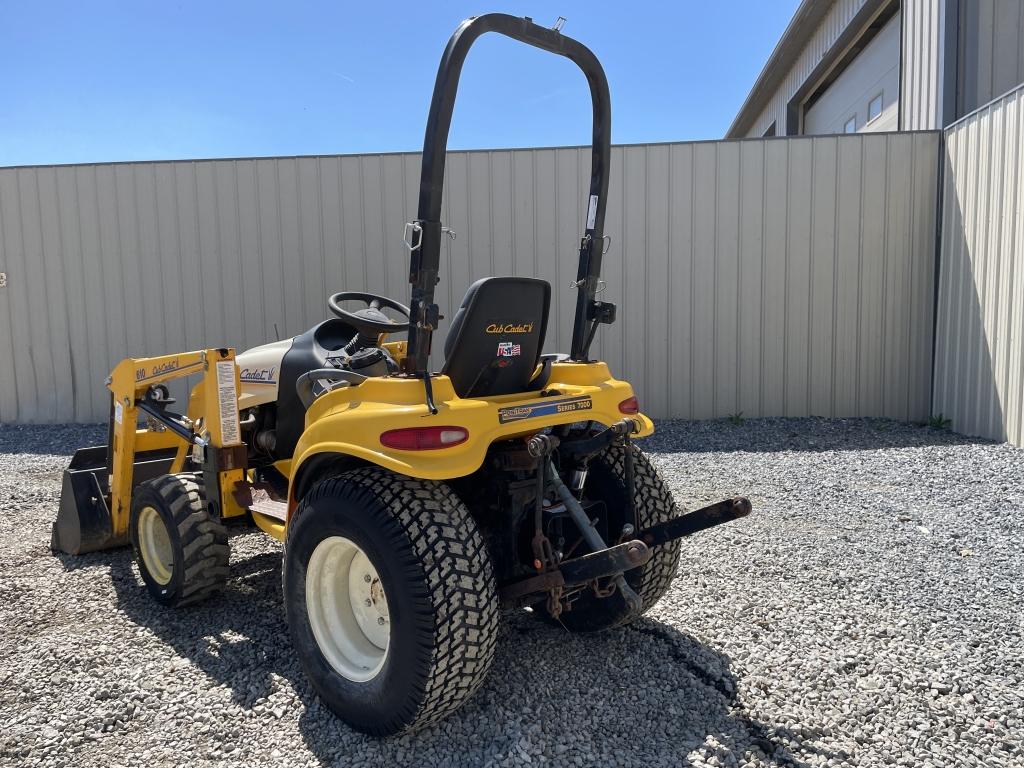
(218, 427)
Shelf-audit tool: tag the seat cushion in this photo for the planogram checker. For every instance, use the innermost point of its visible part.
(497, 336)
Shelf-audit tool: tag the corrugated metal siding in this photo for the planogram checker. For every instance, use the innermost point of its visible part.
(991, 51)
(820, 43)
(923, 49)
(772, 277)
(979, 364)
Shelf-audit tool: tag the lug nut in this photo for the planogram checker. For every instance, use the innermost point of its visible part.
(369, 602)
(380, 620)
(367, 578)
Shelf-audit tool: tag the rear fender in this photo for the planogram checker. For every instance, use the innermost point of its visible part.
(317, 466)
(345, 425)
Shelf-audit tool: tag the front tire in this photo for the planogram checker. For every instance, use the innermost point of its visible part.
(181, 551)
(431, 586)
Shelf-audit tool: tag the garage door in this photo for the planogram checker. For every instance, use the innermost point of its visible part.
(865, 96)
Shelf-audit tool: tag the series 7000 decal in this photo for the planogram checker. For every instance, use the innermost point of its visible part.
(551, 408)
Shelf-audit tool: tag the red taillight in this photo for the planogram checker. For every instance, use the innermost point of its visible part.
(424, 438)
(629, 405)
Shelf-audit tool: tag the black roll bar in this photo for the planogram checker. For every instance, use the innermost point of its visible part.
(425, 239)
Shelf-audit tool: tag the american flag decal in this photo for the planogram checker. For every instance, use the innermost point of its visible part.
(508, 349)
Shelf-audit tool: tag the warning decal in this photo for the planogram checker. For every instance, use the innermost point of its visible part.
(227, 397)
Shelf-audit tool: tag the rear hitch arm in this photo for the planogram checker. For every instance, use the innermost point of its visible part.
(603, 561)
(615, 561)
(581, 570)
(590, 534)
(701, 519)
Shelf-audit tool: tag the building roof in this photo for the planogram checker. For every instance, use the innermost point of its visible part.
(805, 21)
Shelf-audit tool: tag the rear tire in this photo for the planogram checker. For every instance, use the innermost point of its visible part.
(426, 556)
(652, 504)
(181, 551)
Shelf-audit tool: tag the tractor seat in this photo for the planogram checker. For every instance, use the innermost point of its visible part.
(496, 338)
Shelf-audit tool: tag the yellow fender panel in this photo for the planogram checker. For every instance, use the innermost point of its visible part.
(351, 420)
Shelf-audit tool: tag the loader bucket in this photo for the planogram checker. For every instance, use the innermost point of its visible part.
(83, 519)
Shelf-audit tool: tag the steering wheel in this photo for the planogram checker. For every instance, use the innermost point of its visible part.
(370, 320)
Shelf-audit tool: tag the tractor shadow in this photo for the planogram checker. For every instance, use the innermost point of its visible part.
(647, 694)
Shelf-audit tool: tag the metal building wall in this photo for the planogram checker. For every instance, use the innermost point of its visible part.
(772, 277)
(979, 361)
(821, 42)
(923, 62)
(874, 72)
(991, 43)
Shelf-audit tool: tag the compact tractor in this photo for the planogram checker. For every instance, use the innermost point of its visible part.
(413, 505)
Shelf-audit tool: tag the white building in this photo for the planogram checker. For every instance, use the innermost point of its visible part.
(884, 65)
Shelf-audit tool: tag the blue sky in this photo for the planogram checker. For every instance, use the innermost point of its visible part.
(102, 81)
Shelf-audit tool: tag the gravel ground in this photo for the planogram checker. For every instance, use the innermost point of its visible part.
(868, 613)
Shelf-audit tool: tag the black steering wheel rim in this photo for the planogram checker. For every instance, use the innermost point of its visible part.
(372, 301)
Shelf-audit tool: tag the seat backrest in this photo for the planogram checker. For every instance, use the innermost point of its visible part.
(497, 336)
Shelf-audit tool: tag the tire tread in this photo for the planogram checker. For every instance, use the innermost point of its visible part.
(204, 541)
(445, 555)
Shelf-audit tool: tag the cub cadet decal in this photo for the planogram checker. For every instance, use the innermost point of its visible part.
(258, 375)
(159, 369)
(156, 370)
(510, 328)
(521, 412)
(508, 349)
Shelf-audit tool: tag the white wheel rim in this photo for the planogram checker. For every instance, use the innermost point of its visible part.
(347, 608)
(155, 546)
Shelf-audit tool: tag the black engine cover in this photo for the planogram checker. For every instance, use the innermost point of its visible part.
(308, 351)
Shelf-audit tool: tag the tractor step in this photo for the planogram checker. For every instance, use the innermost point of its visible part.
(270, 508)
